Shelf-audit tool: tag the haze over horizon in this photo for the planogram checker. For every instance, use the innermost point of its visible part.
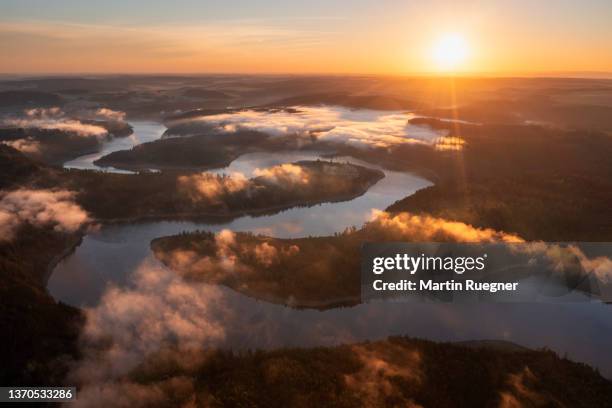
(502, 38)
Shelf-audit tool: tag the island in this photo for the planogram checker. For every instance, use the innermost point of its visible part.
(310, 272)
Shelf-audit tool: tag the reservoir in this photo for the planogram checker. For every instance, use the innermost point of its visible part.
(109, 258)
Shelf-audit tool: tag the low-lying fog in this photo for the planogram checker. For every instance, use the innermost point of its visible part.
(114, 269)
(358, 127)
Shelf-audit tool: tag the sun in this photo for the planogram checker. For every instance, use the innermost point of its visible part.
(450, 52)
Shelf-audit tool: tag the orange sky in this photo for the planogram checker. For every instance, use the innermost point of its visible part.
(501, 38)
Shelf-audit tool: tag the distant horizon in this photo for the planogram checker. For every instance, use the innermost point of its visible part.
(466, 75)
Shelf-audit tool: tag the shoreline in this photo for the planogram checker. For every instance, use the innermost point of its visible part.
(230, 216)
(195, 217)
(73, 244)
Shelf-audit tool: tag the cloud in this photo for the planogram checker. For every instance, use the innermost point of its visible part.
(361, 128)
(284, 174)
(103, 114)
(27, 145)
(600, 267)
(156, 311)
(226, 258)
(229, 251)
(523, 391)
(159, 312)
(382, 365)
(216, 266)
(407, 226)
(157, 323)
(40, 208)
(110, 115)
(266, 254)
(214, 188)
(211, 187)
(223, 261)
(154, 325)
(55, 119)
(44, 113)
(565, 259)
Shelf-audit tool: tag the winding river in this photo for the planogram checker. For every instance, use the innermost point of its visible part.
(109, 256)
(143, 132)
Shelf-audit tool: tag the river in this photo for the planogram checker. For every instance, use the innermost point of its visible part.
(109, 256)
(143, 132)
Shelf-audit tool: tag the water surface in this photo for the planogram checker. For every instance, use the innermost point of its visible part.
(144, 132)
(109, 256)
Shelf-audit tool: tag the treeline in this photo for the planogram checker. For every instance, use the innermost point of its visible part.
(540, 183)
(396, 372)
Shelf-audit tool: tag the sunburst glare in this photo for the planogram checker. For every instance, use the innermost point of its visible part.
(450, 52)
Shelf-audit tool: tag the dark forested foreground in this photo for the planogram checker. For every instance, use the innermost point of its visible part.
(398, 372)
(39, 335)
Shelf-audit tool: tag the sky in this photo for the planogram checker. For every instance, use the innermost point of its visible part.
(509, 37)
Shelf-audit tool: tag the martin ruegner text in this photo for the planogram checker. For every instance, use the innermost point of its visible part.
(450, 285)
